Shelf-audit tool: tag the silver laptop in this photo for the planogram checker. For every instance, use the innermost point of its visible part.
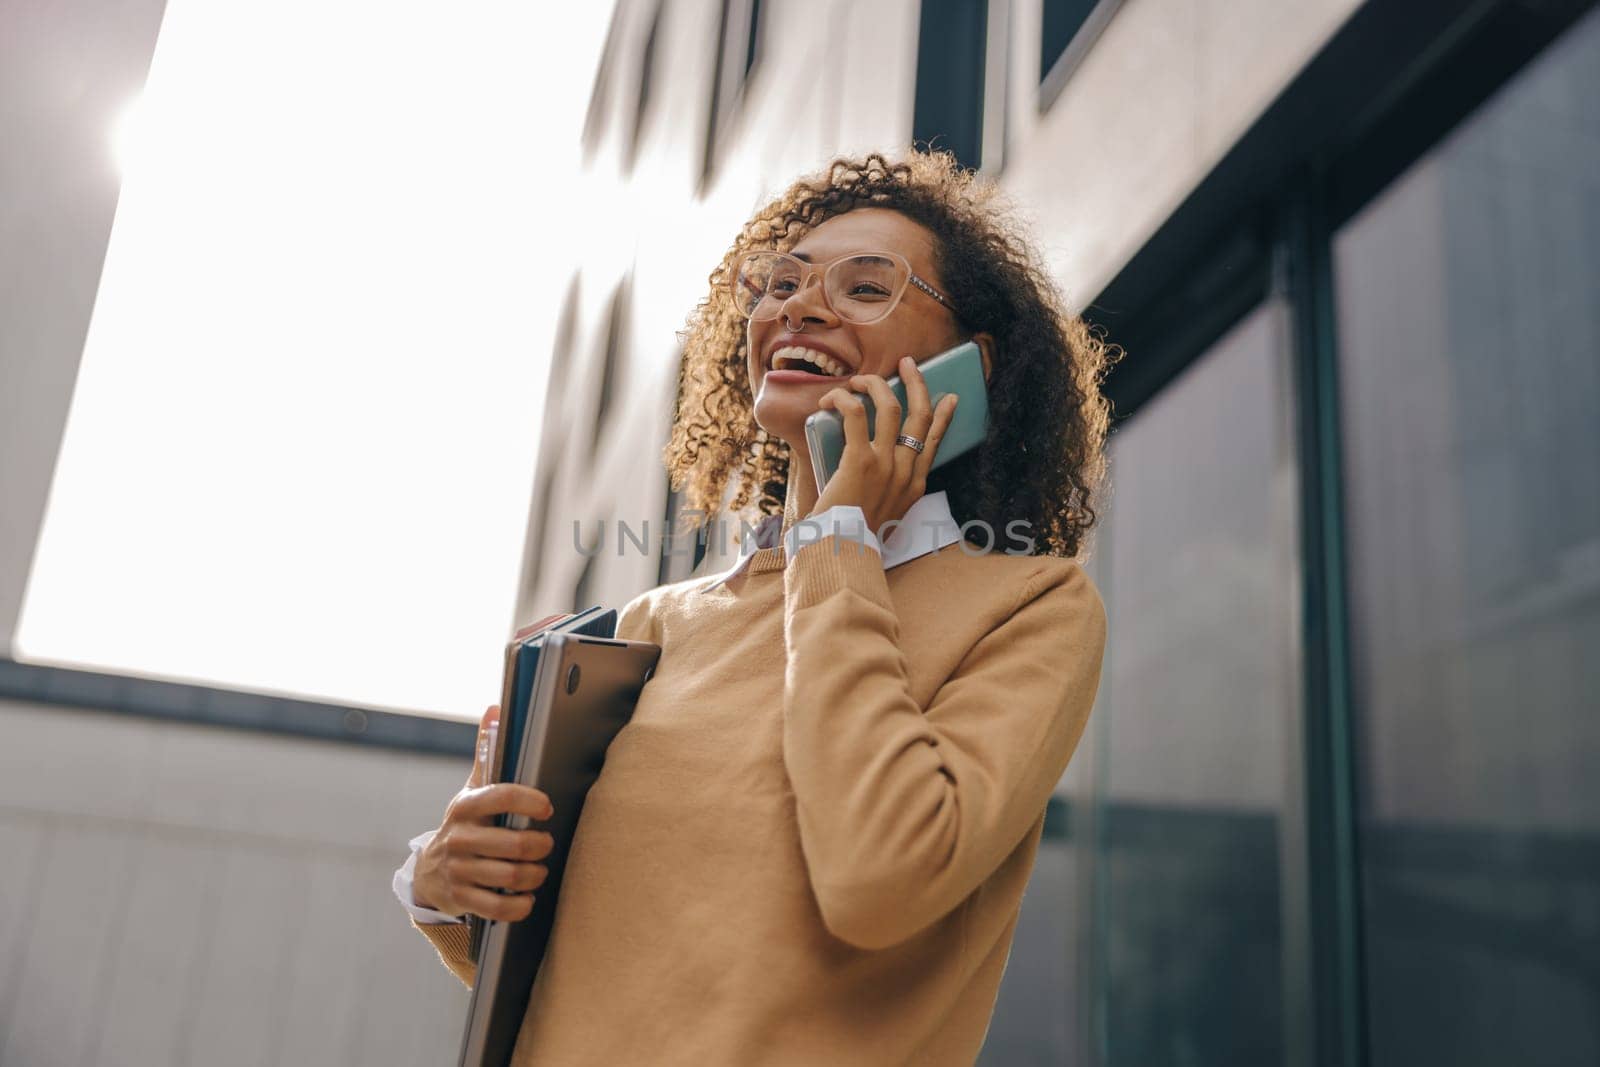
(584, 690)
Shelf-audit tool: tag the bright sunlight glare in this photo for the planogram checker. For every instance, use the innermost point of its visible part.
(125, 134)
(301, 445)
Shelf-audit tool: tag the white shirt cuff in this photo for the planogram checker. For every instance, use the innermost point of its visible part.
(846, 520)
(403, 888)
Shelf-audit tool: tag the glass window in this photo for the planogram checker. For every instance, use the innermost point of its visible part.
(949, 107)
(1470, 380)
(1040, 1014)
(738, 53)
(1198, 743)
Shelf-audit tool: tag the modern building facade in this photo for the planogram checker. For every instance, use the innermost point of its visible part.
(1338, 802)
(1337, 805)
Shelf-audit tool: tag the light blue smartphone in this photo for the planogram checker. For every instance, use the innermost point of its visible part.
(958, 371)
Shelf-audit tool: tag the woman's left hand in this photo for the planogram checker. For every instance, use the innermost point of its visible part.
(880, 476)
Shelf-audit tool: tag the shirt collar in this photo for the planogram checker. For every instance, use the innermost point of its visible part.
(926, 527)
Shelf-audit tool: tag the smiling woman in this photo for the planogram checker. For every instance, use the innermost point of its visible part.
(810, 843)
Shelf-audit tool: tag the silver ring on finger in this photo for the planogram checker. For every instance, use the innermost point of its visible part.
(907, 439)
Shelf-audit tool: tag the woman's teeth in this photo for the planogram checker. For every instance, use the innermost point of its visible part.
(795, 357)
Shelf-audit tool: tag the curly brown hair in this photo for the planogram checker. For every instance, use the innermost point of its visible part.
(1043, 460)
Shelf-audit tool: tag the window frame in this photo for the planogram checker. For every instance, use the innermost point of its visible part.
(1062, 68)
(738, 61)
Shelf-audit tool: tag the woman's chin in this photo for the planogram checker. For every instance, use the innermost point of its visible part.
(782, 417)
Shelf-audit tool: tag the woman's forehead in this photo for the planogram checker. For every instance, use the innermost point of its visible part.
(869, 229)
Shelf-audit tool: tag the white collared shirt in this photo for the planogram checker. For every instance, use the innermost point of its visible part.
(927, 527)
(402, 880)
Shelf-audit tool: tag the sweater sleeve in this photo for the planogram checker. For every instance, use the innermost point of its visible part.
(904, 811)
(452, 941)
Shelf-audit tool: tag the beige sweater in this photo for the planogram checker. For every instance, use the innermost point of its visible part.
(810, 844)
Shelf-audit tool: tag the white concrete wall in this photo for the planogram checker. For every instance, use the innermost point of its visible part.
(1167, 89)
(180, 895)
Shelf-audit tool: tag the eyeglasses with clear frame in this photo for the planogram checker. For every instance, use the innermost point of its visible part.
(860, 287)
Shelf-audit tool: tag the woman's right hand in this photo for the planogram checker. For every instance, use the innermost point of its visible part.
(470, 857)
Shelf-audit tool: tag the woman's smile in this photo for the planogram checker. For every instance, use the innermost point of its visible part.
(794, 360)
